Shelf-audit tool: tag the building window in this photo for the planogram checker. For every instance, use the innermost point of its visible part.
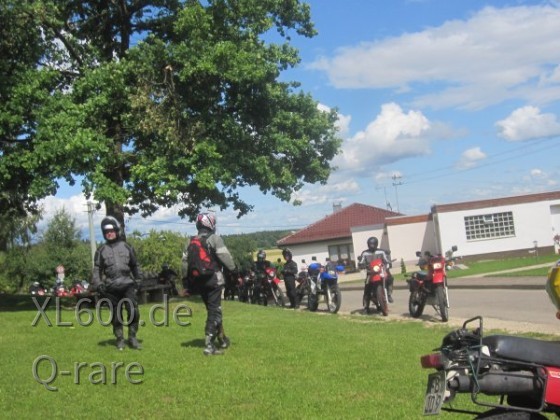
(341, 254)
(488, 226)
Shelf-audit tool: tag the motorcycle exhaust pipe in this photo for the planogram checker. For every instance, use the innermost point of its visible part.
(520, 383)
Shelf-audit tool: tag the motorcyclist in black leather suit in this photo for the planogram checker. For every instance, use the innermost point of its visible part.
(290, 271)
(115, 276)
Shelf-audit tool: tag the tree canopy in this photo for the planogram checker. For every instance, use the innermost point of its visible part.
(152, 103)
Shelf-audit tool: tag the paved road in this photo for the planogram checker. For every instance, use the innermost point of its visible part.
(525, 308)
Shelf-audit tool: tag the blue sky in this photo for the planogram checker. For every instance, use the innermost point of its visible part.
(439, 101)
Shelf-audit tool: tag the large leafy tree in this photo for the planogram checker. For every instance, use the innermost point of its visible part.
(156, 103)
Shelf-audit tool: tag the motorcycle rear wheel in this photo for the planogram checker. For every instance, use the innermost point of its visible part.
(442, 303)
(334, 299)
(301, 292)
(382, 300)
(416, 303)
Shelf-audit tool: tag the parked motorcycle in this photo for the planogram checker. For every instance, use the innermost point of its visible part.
(247, 287)
(303, 287)
(325, 284)
(60, 290)
(37, 290)
(375, 292)
(515, 377)
(79, 289)
(232, 285)
(270, 291)
(429, 286)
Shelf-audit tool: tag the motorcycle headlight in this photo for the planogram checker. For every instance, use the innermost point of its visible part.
(376, 268)
(438, 266)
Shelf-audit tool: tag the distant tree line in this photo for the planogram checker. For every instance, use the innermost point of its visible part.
(27, 255)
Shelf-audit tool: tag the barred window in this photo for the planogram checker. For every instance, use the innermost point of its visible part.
(486, 226)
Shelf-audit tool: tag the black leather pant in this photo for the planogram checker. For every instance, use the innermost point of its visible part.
(291, 291)
(123, 298)
(212, 298)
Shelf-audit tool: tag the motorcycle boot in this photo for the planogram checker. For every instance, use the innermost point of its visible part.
(132, 340)
(118, 331)
(133, 329)
(210, 348)
(223, 341)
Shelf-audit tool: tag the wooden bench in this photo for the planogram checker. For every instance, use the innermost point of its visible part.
(152, 291)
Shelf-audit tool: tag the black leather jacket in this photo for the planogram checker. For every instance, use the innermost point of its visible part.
(115, 262)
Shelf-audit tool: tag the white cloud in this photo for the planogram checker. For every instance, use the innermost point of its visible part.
(392, 136)
(470, 158)
(335, 190)
(342, 124)
(528, 123)
(495, 55)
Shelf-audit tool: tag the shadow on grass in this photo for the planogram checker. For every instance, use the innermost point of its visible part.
(195, 342)
(13, 303)
(112, 342)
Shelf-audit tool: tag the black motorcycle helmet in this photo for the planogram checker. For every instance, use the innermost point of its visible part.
(372, 243)
(261, 255)
(287, 253)
(110, 223)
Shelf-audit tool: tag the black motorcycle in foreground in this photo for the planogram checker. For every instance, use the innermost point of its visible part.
(513, 377)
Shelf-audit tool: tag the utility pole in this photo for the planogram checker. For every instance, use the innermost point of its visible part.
(396, 183)
(387, 204)
(90, 210)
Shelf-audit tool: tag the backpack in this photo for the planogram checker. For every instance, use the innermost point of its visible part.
(200, 259)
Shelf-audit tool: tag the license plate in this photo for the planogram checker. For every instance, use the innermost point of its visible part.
(435, 393)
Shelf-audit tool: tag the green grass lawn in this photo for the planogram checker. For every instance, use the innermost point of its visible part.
(283, 364)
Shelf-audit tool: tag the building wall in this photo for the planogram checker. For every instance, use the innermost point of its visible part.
(361, 234)
(406, 239)
(535, 221)
(317, 249)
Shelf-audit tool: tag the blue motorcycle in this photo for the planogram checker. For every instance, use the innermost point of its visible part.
(324, 287)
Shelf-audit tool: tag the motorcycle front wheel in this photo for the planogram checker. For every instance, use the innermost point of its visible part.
(416, 303)
(312, 301)
(334, 299)
(278, 296)
(442, 303)
(382, 300)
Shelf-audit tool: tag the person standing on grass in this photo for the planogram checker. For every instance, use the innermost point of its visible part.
(259, 268)
(211, 285)
(115, 276)
(290, 271)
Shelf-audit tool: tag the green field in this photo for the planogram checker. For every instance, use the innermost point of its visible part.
(283, 364)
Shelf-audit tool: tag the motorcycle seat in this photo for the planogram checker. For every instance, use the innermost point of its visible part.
(524, 349)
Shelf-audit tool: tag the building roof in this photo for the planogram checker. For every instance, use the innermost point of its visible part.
(496, 202)
(339, 224)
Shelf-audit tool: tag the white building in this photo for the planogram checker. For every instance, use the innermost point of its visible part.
(495, 227)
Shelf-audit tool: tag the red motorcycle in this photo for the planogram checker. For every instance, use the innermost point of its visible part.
(270, 290)
(79, 289)
(429, 286)
(515, 377)
(375, 291)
